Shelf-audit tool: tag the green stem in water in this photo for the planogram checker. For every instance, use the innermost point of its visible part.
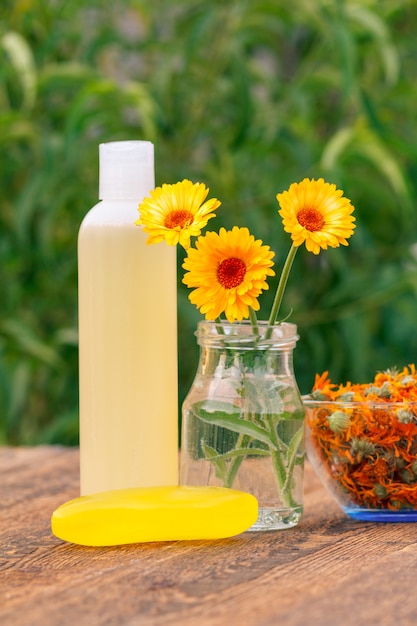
(281, 285)
(253, 321)
(242, 442)
(219, 326)
(283, 469)
(277, 463)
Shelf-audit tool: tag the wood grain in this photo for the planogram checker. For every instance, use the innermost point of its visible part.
(327, 570)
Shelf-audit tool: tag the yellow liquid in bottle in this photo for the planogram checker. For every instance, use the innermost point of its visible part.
(128, 353)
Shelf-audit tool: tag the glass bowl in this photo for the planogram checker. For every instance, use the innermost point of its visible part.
(365, 454)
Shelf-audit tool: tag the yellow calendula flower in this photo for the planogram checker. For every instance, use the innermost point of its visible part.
(316, 213)
(228, 272)
(175, 213)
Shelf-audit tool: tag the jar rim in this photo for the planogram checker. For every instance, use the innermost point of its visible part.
(243, 335)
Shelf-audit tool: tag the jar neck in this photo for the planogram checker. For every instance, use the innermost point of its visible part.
(240, 362)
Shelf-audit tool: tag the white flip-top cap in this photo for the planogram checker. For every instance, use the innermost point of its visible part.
(126, 170)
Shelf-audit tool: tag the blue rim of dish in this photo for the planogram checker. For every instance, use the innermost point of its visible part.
(381, 515)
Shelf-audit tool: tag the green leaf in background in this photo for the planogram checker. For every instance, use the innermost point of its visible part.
(246, 97)
(23, 63)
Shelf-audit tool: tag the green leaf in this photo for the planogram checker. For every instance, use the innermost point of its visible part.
(248, 391)
(295, 442)
(237, 452)
(225, 415)
(220, 467)
(292, 415)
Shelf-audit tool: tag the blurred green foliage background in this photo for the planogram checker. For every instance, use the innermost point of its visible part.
(244, 96)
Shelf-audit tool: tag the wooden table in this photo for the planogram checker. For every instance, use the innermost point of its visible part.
(329, 570)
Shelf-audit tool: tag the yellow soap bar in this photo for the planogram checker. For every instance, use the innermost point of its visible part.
(144, 514)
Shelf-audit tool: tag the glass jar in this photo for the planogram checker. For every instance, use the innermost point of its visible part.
(243, 419)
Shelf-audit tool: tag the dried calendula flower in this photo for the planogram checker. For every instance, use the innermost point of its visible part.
(338, 421)
(400, 463)
(347, 396)
(362, 447)
(385, 390)
(380, 491)
(382, 392)
(318, 395)
(405, 416)
(407, 476)
(392, 371)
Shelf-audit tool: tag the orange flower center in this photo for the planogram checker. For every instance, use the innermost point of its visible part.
(231, 272)
(181, 218)
(311, 219)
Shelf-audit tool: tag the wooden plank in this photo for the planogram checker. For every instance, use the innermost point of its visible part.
(327, 570)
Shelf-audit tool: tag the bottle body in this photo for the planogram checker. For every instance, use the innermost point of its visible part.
(127, 354)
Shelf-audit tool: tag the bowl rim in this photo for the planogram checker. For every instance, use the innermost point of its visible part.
(308, 401)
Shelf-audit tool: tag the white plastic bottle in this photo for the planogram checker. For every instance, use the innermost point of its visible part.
(127, 334)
